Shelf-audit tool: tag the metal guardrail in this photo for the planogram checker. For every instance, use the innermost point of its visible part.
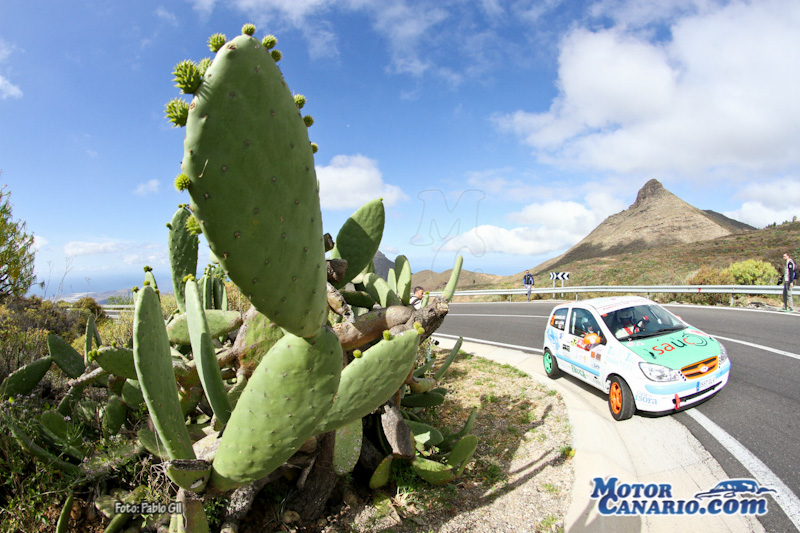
(115, 311)
(772, 290)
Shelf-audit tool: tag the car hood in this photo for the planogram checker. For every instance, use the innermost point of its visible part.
(675, 350)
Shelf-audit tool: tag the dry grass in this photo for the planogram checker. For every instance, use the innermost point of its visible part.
(520, 477)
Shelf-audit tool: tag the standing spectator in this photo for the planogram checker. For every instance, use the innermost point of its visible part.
(789, 275)
(416, 297)
(527, 282)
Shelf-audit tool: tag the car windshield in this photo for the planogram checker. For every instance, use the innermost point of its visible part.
(639, 321)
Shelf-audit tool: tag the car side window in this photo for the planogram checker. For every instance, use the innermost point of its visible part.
(559, 319)
(583, 322)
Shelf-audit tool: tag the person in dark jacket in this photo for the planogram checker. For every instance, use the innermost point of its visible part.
(789, 275)
(527, 282)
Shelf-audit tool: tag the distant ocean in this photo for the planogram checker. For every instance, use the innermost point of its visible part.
(72, 288)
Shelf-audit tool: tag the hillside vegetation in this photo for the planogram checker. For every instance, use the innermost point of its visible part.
(666, 265)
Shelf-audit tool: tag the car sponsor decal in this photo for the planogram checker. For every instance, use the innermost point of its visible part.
(675, 350)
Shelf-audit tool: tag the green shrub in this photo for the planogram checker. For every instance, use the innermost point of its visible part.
(752, 272)
(708, 275)
(24, 326)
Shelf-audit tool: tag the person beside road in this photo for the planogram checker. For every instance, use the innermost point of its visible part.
(416, 297)
(789, 275)
(527, 282)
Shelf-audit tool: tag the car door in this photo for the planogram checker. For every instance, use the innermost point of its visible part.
(584, 343)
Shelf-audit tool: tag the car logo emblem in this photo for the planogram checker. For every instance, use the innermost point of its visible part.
(704, 369)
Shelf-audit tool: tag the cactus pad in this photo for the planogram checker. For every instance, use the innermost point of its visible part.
(290, 391)
(370, 380)
(254, 187)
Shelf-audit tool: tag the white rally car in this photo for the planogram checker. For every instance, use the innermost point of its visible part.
(637, 352)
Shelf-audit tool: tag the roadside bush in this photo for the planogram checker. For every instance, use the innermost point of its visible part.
(24, 326)
(708, 275)
(752, 272)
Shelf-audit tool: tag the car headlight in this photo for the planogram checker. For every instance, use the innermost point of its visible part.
(723, 354)
(660, 373)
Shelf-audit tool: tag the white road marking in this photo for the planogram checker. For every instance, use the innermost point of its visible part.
(493, 315)
(760, 347)
(761, 472)
(500, 344)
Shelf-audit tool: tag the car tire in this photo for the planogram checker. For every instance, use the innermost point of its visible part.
(550, 365)
(620, 399)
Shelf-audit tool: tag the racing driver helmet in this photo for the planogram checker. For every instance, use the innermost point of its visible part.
(625, 316)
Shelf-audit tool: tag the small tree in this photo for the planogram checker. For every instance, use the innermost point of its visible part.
(16, 253)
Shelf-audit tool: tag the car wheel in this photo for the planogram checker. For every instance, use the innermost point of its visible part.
(620, 399)
(551, 365)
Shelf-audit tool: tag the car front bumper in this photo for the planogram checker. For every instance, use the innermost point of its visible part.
(659, 397)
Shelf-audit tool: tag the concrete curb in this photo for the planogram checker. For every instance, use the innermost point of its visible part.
(639, 450)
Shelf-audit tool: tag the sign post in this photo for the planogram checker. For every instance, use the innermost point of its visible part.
(558, 275)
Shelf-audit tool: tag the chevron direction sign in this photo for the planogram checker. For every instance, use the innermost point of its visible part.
(559, 275)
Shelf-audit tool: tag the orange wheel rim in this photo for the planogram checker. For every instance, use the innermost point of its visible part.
(615, 397)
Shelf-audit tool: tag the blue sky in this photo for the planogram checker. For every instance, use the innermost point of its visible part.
(501, 130)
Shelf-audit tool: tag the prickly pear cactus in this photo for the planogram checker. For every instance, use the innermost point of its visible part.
(183, 249)
(290, 391)
(253, 186)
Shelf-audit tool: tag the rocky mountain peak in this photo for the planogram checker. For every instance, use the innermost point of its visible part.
(657, 218)
(651, 191)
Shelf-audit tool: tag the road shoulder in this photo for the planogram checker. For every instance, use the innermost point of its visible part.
(640, 450)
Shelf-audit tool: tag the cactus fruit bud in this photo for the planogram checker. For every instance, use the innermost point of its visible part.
(146, 283)
(187, 277)
(276, 55)
(387, 335)
(269, 42)
(193, 225)
(203, 64)
(148, 268)
(309, 120)
(357, 354)
(177, 111)
(135, 289)
(300, 100)
(248, 29)
(169, 226)
(182, 182)
(216, 41)
(187, 76)
(314, 148)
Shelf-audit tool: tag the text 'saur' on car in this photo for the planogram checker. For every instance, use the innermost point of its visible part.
(641, 355)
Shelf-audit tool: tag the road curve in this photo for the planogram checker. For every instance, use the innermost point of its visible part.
(759, 408)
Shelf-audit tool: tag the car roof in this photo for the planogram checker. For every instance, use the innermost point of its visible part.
(607, 304)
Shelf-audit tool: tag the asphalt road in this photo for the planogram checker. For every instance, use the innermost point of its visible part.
(760, 406)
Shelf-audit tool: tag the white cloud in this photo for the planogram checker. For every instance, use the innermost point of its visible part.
(164, 14)
(543, 227)
(351, 181)
(518, 241)
(768, 202)
(7, 88)
(76, 248)
(721, 93)
(39, 242)
(150, 187)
